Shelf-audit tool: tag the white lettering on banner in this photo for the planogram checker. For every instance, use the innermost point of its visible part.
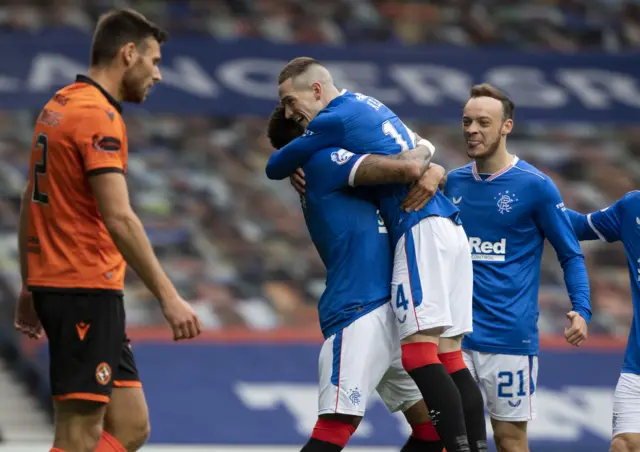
(188, 75)
(597, 88)
(236, 74)
(563, 415)
(9, 84)
(566, 415)
(527, 87)
(422, 84)
(53, 70)
(364, 77)
(300, 400)
(49, 70)
(430, 84)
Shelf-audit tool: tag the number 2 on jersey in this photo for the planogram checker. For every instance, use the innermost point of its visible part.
(40, 169)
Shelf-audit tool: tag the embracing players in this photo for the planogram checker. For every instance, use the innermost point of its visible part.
(361, 352)
(76, 231)
(432, 271)
(621, 222)
(508, 209)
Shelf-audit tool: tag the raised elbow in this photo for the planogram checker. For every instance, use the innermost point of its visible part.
(270, 173)
(273, 173)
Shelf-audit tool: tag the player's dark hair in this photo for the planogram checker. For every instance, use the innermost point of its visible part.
(119, 27)
(488, 90)
(296, 67)
(280, 130)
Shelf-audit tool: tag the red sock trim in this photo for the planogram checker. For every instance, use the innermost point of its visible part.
(109, 443)
(452, 361)
(334, 432)
(419, 354)
(425, 432)
(55, 449)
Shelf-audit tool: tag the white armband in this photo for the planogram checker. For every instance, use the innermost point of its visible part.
(427, 143)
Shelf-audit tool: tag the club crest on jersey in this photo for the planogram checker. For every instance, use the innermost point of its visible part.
(354, 397)
(341, 157)
(505, 201)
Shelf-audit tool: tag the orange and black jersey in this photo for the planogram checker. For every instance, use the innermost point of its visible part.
(79, 133)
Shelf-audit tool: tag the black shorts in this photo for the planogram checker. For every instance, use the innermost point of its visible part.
(89, 352)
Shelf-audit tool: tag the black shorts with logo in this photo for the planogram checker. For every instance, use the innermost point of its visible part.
(89, 352)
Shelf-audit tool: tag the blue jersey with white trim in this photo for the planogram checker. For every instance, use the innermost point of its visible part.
(362, 125)
(353, 243)
(619, 222)
(507, 217)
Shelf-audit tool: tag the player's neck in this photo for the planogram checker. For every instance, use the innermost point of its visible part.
(108, 80)
(330, 93)
(495, 162)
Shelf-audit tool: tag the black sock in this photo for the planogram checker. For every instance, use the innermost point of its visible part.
(417, 445)
(315, 445)
(445, 405)
(473, 406)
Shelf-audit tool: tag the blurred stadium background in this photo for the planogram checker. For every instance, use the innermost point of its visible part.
(236, 243)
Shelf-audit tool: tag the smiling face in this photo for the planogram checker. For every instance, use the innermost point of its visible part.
(484, 126)
(301, 103)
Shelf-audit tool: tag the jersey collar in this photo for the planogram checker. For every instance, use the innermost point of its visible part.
(84, 79)
(494, 176)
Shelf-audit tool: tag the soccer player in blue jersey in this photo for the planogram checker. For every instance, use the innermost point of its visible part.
(432, 271)
(508, 209)
(621, 222)
(361, 352)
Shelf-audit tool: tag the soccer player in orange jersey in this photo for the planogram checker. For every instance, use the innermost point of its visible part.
(77, 234)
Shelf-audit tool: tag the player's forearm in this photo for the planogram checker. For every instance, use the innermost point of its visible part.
(403, 168)
(294, 155)
(577, 283)
(130, 238)
(23, 235)
(380, 169)
(420, 153)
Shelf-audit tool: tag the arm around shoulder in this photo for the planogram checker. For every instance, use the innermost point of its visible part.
(402, 168)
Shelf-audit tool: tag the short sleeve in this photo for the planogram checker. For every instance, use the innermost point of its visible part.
(99, 136)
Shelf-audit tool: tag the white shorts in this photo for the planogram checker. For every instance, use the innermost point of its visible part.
(626, 405)
(508, 383)
(362, 358)
(432, 284)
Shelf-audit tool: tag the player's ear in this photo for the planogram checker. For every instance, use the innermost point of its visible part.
(316, 87)
(507, 127)
(129, 54)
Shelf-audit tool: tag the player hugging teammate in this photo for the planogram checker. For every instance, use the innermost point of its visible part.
(431, 284)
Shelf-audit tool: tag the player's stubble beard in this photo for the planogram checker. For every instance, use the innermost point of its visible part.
(134, 88)
(490, 149)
